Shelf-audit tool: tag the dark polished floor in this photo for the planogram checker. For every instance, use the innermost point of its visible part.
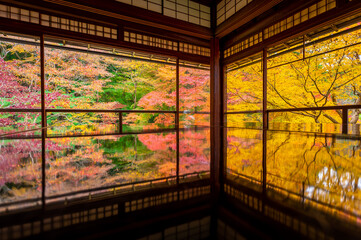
(275, 185)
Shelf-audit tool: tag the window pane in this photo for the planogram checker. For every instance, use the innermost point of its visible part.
(147, 121)
(244, 87)
(332, 78)
(91, 162)
(194, 90)
(186, 120)
(64, 123)
(19, 121)
(244, 154)
(331, 43)
(80, 80)
(245, 120)
(325, 121)
(19, 74)
(194, 151)
(20, 170)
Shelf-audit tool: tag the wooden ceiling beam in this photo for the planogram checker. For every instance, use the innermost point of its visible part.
(264, 20)
(125, 12)
(9, 25)
(245, 15)
(50, 8)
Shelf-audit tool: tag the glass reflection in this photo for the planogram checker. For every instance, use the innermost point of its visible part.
(244, 153)
(89, 162)
(85, 163)
(20, 170)
(321, 170)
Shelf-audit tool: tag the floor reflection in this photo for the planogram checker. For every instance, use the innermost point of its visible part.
(320, 170)
(76, 164)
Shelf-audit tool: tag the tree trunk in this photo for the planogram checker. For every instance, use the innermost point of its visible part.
(135, 94)
(135, 90)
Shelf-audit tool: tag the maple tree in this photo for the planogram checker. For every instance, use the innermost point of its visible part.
(19, 89)
(324, 169)
(330, 75)
(194, 95)
(80, 80)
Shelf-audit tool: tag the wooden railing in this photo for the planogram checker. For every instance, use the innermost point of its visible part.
(344, 113)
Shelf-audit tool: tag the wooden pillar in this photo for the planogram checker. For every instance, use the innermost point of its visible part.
(264, 122)
(217, 163)
(177, 118)
(43, 118)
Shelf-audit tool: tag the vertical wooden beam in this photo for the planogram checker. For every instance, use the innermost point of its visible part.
(177, 94)
(120, 122)
(178, 158)
(303, 48)
(162, 7)
(265, 121)
(42, 81)
(177, 116)
(215, 104)
(224, 128)
(43, 118)
(217, 168)
(344, 120)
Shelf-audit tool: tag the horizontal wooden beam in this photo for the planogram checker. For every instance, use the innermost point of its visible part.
(9, 25)
(148, 21)
(245, 15)
(133, 14)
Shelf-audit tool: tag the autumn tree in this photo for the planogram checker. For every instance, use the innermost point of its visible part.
(330, 75)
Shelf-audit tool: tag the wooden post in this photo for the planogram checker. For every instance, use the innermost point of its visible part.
(217, 161)
(344, 120)
(120, 122)
(265, 121)
(177, 95)
(43, 118)
(177, 117)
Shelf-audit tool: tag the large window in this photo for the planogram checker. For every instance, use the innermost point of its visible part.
(313, 89)
(311, 82)
(124, 102)
(92, 89)
(320, 72)
(93, 81)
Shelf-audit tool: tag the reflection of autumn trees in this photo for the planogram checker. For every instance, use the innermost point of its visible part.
(326, 169)
(244, 152)
(85, 162)
(20, 169)
(330, 168)
(78, 163)
(194, 151)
